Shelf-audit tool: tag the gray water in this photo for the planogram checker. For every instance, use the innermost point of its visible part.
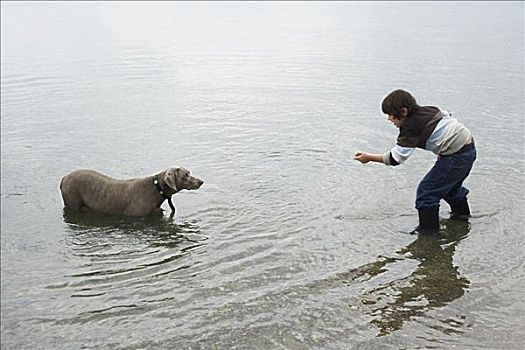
(290, 243)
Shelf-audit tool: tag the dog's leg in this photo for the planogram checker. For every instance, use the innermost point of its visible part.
(171, 206)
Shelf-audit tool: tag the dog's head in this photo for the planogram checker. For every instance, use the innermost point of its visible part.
(179, 178)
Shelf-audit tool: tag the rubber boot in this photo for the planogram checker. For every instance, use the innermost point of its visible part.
(460, 210)
(428, 221)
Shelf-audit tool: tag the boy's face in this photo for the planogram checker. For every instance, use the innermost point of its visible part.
(396, 120)
(399, 121)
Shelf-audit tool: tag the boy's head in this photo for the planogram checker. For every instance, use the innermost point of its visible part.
(399, 104)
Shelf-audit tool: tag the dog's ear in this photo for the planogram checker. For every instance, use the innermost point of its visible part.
(170, 178)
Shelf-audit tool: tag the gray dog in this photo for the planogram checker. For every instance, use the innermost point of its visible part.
(133, 197)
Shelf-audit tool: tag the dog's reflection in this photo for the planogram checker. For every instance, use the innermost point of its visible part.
(97, 219)
(154, 230)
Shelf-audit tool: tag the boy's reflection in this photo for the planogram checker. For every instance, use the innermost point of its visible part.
(434, 283)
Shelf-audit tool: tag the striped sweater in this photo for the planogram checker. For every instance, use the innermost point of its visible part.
(429, 128)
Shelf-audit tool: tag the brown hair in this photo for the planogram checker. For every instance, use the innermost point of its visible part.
(396, 100)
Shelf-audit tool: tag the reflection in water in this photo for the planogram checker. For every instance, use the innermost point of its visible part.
(118, 252)
(96, 219)
(155, 229)
(434, 283)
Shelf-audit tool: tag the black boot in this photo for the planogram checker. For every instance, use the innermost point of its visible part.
(428, 221)
(460, 210)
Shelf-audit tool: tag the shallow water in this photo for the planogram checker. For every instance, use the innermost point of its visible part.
(290, 243)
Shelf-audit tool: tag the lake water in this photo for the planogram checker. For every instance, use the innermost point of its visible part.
(290, 243)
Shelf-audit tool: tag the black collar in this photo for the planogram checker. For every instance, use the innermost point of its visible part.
(156, 182)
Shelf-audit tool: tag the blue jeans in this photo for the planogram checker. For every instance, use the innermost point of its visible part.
(445, 180)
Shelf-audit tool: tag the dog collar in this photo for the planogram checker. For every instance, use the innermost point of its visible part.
(156, 182)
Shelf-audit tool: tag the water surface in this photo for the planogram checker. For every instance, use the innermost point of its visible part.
(290, 243)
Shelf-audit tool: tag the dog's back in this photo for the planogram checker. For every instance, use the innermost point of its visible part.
(91, 189)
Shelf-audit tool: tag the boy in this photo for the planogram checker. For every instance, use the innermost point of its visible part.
(435, 130)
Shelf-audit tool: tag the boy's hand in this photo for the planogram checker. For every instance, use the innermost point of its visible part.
(363, 157)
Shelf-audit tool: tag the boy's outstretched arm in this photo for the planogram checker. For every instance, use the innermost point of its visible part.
(364, 157)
